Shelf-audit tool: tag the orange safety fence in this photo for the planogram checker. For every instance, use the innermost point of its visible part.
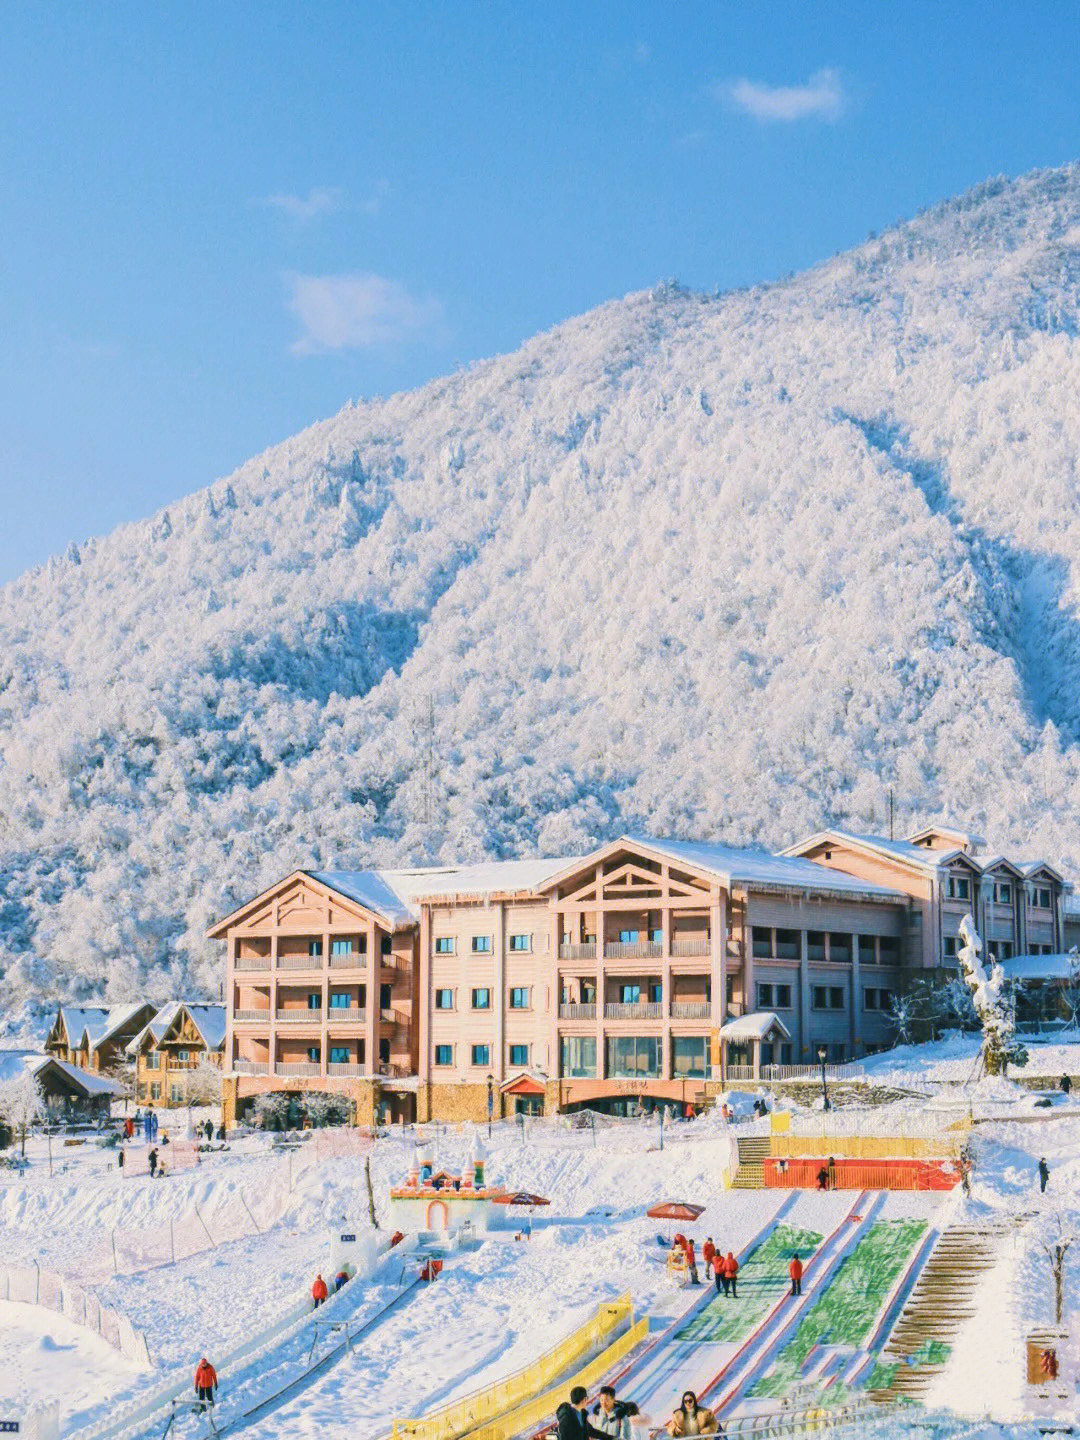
(847, 1174)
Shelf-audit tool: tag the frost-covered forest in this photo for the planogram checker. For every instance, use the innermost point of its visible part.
(724, 566)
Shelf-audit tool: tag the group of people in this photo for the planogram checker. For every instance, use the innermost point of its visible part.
(612, 1418)
(724, 1269)
(320, 1291)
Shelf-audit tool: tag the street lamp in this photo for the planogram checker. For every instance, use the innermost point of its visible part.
(491, 1100)
(822, 1052)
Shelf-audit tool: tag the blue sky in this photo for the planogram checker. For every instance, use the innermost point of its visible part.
(220, 222)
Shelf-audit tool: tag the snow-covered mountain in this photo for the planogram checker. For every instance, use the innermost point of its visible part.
(722, 566)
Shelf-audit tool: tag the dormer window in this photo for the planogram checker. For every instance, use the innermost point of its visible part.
(1002, 893)
(959, 887)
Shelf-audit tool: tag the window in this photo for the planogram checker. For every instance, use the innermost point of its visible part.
(628, 937)
(444, 945)
(840, 948)
(761, 942)
(481, 944)
(827, 997)
(690, 1057)
(340, 1000)
(386, 945)
(867, 954)
(153, 1060)
(314, 1000)
(774, 997)
(815, 944)
(314, 948)
(519, 1054)
(785, 1052)
(176, 1093)
(877, 999)
(521, 942)
(481, 999)
(888, 949)
(481, 1054)
(182, 1057)
(1002, 949)
(341, 947)
(386, 997)
(339, 1054)
(959, 887)
(313, 1054)
(729, 990)
(629, 994)
(836, 997)
(384, 1052)
(656, 936)
(656, 992)
(155, 1090)
(444, 1054)
(577, 1057)
(521, 997)
(787, 944)
(1003, 893)
(634, 1056)
(1040, 898)
(950, 947)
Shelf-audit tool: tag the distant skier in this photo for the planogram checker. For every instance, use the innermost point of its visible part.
(206, 1382)
(318, 1292)
(795, 1271)
(1044, 1175)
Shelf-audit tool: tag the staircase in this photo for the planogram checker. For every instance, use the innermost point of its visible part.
(753, 1152)
(943, 1298)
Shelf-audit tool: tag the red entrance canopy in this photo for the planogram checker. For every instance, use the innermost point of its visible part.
(675, 1210)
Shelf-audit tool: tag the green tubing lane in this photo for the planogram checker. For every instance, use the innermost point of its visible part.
(845, 1312)
(763, 1278)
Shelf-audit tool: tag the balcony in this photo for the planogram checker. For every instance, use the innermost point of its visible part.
(344, 1068)
(250, 1067)
(345, 1015)
(635, 950)
(640, 1010)
(578, 952)
(252, 962)
(260, 1017)
(691, 1010)
(577, 1012)
(298, 1067)
(300, 1017)
(352, 960)
(300, 962)
(690, 947)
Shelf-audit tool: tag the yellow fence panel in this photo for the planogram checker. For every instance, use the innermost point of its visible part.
(462, 1416)
(868, 1147)
(529, 1415)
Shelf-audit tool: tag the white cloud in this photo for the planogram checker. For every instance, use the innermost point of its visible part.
(821, 98)
(320, 200)
(344, 312)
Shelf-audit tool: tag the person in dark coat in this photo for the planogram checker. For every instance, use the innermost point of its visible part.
(573, 1418)
(151, 1160)
(208, 1130)
(823, 1178)
(120, 1156)
(1044, 1175)
(1066, 1084)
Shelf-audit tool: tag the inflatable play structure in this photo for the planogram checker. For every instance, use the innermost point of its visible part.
(433, 1199)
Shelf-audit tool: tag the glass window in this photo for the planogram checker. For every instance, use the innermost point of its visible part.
(444, 999)
(520, 942)
(313, 1054)
(153, 1061)
(386, 944)
(761, 941)
(386, 997)
(656, 992)
(959, 887)
(339, 1054)
(628, 937)
(870, 999)
(765, 997)
(1042, 899)
(815, 944)
(950, 947)
(840, 947)
(836, 997)
(520, 997)
(444, 945)
(867, 949)
(314, 1000)
(630, 994)
(341, 946)
(340, 1000)
(787, 944)
(444, 1054)
(181, 1057)
(656, 936)
(481, 999)
(155, 1090)
(690, 1057)
(481, 1054)
(888, 949)
(578, 1057)
(519, 1054)
(634, 1056)
(1003, 893)
(176, 1093)
(314, 948)
(783, 997)
(384, 1052)
(819, 997)
(481, 944)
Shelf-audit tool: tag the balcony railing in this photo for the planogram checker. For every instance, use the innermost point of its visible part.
(258, 1015)
(300, 962)
(300, 1017)
(394, 1071)
(640, 1010)
(252, 962)
(635, 950)
(345, 1015)
(577, 1012)
(297, 1067)
(250, 1067)
(693, 945)
(578, 952)
(338, 1067)
(356, 959)
(691, 1010)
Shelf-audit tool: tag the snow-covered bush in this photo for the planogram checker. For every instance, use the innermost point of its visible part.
(22, 1104)
(992, 1003)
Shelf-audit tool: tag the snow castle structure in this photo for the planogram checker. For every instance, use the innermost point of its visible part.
(434, 1199)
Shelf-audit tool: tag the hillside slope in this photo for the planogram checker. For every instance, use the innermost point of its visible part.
(725, 566)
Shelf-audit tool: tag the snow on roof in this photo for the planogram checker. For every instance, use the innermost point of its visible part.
(89, 1020)
(14, 1062)
(208, 1019)
(370, 889)
(735, 866)
(91, 1083)
(493, 877)
(1039, 967)
(758, 1025)
(919, 857)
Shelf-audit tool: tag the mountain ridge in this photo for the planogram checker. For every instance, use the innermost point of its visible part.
(728, 566)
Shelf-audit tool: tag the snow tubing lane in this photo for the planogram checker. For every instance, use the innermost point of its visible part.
(271, 1402)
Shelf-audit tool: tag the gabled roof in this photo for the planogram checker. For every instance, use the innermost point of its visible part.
(208, 1019)
(961, 839)
(987, 863)
(1031, 867)
(730, 866)
(15, 1062)
(525, 1082)
(96, 1023)
(927, 862)
(758, 1025)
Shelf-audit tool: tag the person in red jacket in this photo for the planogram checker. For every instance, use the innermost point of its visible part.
(205, 1382)
(731, 1272)
(318, 1291)
(708, 1252)
(691, 1260)
(795, 1271)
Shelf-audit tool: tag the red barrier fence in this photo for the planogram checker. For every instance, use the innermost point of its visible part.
(802, 1174)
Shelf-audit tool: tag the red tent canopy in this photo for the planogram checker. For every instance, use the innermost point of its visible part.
(675, 1210)
(519, 1197)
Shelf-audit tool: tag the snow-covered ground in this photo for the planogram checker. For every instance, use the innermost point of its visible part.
(953, 1059)
(45, 1356)
(497, 1307)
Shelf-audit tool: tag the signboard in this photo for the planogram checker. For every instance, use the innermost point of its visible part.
(9, 1427)
(348, 1239)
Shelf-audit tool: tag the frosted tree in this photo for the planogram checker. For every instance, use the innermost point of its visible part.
(1057, 1235)
(994, 1009)
(204, 1082)
(22, 1104)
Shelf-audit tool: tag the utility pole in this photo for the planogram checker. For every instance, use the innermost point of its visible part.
(891, 825)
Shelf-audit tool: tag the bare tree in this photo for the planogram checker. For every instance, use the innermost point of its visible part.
(1056, 1237)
